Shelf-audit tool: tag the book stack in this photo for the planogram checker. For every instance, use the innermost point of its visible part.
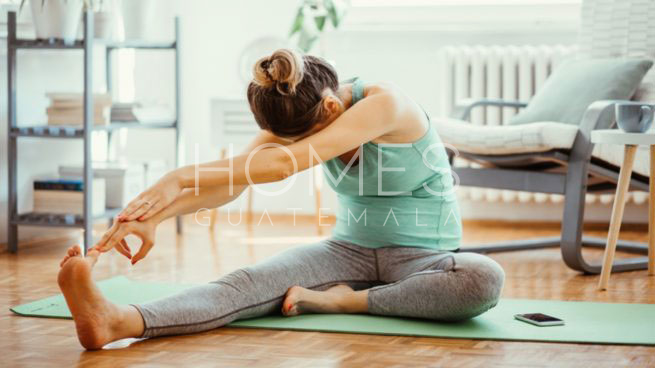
(136, 112)
(68, 109)
(66, 196)
(123, 111)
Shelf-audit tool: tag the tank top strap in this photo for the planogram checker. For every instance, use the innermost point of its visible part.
(357, 90)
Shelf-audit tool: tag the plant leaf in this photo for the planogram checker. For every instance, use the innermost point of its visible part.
(20, 7)
(306, 41)
(332, 13)
(297, 22)
(320, 22)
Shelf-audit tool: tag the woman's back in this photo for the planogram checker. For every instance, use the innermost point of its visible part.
(398, 194)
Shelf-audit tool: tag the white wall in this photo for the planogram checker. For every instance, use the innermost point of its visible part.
(377, 46)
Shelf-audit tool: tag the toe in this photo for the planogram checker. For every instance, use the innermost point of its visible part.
(293, 311)
(61, 264)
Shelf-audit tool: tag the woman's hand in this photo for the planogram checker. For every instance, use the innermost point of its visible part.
(115, 238)
(153, 200)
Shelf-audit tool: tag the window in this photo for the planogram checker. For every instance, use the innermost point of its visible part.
(409, 3)
(463, 15)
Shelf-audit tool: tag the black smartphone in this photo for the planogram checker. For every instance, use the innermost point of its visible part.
(539, 319)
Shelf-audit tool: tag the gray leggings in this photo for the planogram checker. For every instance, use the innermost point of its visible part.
(402, 281)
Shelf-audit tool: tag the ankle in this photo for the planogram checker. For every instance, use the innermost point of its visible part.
(352, 302)
(128, 322)
(341, 302)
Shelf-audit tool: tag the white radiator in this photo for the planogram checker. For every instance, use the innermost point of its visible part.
(506, 72)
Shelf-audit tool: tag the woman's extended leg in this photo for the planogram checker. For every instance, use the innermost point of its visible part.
(248, 292)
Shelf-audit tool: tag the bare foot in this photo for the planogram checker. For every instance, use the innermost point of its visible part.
(333, 300)
(96, 319)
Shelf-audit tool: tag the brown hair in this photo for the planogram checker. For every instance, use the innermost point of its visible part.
(287, 92)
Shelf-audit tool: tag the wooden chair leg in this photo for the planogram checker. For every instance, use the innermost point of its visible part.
(617, 215)
(651, 214)
(213, 217)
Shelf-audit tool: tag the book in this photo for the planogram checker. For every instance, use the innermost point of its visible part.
(59, 184)
(135, 112)
(68, 109)
(124, 111)
(76, 99)
(66, 196)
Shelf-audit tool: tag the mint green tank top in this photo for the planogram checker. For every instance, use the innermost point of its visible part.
(396, 194)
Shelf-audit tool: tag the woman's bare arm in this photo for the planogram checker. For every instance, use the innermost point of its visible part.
(373, 117)
(191, 200)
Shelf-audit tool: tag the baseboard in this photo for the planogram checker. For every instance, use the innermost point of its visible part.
(546, 212)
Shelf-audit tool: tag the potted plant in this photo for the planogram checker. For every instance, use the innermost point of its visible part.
(312, 18)
(103, 19)
(138, 16)
(57, 19)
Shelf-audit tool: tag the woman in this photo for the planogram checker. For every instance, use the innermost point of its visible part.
(398, 223)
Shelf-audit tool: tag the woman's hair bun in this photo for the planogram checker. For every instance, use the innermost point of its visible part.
(283, 70)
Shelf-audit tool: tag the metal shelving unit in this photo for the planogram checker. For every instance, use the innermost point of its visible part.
(83, 132)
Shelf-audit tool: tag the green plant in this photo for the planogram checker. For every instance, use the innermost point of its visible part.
(312, 18)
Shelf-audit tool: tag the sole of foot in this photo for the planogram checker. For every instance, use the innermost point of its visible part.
(299, 300)
(94, 316)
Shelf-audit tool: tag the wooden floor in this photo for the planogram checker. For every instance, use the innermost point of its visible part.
(200, 256)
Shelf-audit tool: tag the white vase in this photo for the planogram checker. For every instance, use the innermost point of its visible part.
(137, 18)
(40, 20)
(56, 18)
(103, 25)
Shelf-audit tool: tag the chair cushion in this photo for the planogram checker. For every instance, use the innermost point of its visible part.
(505, 139)
(526, 138)
(575, 84)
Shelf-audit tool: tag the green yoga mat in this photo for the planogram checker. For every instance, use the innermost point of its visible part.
(604, 323)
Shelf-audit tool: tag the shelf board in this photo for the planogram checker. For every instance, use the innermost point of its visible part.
(79, 44)
(59, 220)
(46, 44)
(76, 131)
(136, 125)
(136, 44)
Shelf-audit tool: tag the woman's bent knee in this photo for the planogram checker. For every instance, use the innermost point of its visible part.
(482, 281)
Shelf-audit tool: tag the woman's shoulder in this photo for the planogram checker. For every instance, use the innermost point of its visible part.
(380, 88)
(410, 118)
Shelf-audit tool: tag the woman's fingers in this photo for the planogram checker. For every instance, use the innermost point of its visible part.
(126, 246)
(102, 245)
(134, 205)
(123, 249)
(145, 248)
(153, 210)
(115, 240)
(145, 206)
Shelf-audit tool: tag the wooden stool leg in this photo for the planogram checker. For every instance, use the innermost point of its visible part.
(651, 215)
(617, 215)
